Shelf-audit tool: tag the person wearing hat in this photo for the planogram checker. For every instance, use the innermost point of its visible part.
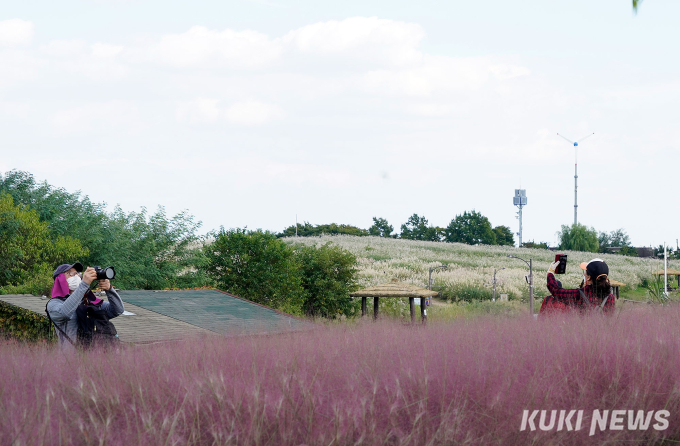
(71, 289)
(595, 292)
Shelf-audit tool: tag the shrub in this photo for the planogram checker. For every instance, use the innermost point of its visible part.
(257, 266)
(466, 292)
(328, 276)
(24, 325)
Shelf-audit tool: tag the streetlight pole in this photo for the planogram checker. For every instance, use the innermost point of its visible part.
(494, 282)
(530, 264)
(429, 279)
(423, 315)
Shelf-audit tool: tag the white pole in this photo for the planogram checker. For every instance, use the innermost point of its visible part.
(575, 184)
(665, 269)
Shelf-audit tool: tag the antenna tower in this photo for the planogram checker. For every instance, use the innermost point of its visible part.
(520, 200)
(576, 172)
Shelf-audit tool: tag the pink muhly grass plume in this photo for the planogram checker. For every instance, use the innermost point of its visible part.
(463, 382)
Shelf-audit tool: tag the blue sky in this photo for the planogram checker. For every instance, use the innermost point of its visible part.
(247, 113)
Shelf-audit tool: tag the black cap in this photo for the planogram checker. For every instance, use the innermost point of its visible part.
(595, 268)
(65, 267)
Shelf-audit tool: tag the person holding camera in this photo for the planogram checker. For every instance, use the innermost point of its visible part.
(74, 309)
(594, 294)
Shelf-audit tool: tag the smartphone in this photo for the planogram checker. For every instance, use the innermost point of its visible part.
(562, 267)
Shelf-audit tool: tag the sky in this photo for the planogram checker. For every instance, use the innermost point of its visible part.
(255, 113)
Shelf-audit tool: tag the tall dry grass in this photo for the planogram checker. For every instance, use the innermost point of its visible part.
(472, 267)
(384, 383)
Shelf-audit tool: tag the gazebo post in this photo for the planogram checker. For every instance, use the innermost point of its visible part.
(423, 312)
(375, 308)
(412, 307)
(363, 306)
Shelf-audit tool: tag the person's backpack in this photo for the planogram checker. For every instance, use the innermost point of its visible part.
(94, 327)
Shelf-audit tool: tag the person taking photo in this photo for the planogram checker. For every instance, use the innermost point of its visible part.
(72, 302)
(594, 294)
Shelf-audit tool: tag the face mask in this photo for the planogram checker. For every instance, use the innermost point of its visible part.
(73, 282)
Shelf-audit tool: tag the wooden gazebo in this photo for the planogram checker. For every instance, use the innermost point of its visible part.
(616, 284)
(395, 289)
(670, 272)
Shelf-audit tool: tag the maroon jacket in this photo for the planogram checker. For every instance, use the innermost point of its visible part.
(572, 298)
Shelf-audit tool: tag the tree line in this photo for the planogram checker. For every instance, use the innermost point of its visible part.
(42, 226)
(470, 227)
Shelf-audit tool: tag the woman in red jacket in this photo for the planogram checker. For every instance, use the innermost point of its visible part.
(596, 293)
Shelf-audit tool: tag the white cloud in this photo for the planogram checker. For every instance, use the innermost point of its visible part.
(439, 74)
(236, 49)
(362, 37)
(101, 117)
(99, 61)
(14, 109)
(64, 48)
(253, 113)
(198, 110)
(15, 32)
(105, 50)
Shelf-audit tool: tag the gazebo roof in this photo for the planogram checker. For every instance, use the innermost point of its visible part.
(394, 289)
(671, 272)
(613, 282)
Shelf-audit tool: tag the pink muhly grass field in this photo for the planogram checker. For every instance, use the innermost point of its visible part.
(463, 382)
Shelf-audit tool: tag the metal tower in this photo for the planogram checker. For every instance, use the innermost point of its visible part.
(520, 200)
(576, 173)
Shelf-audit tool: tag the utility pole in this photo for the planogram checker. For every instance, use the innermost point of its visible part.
(530, 264)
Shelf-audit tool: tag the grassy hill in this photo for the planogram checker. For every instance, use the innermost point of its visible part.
(471, 268)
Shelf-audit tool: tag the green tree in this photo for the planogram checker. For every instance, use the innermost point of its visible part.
(328, 276)
(615, 239)
(535, 245)
(148, 251)
(28, 252)
(472, 228)
(417, 228)
(257, 266)
(381, 228)
(504, 236)
(578, 237)
(309, 230)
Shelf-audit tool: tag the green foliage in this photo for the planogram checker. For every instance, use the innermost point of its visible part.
(28, 252)
(616, 239)
(466, 292)
(328, 276)
(151, 251)
(504, 236)
(148, 251)
(472, 228)
(655, 290)
(381, 228)
(309, 230)
(22, 324)
(416, 228)
(257, 266)
(537, 245)
(578, 237)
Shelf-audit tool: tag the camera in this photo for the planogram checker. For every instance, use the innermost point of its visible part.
(107, 273)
